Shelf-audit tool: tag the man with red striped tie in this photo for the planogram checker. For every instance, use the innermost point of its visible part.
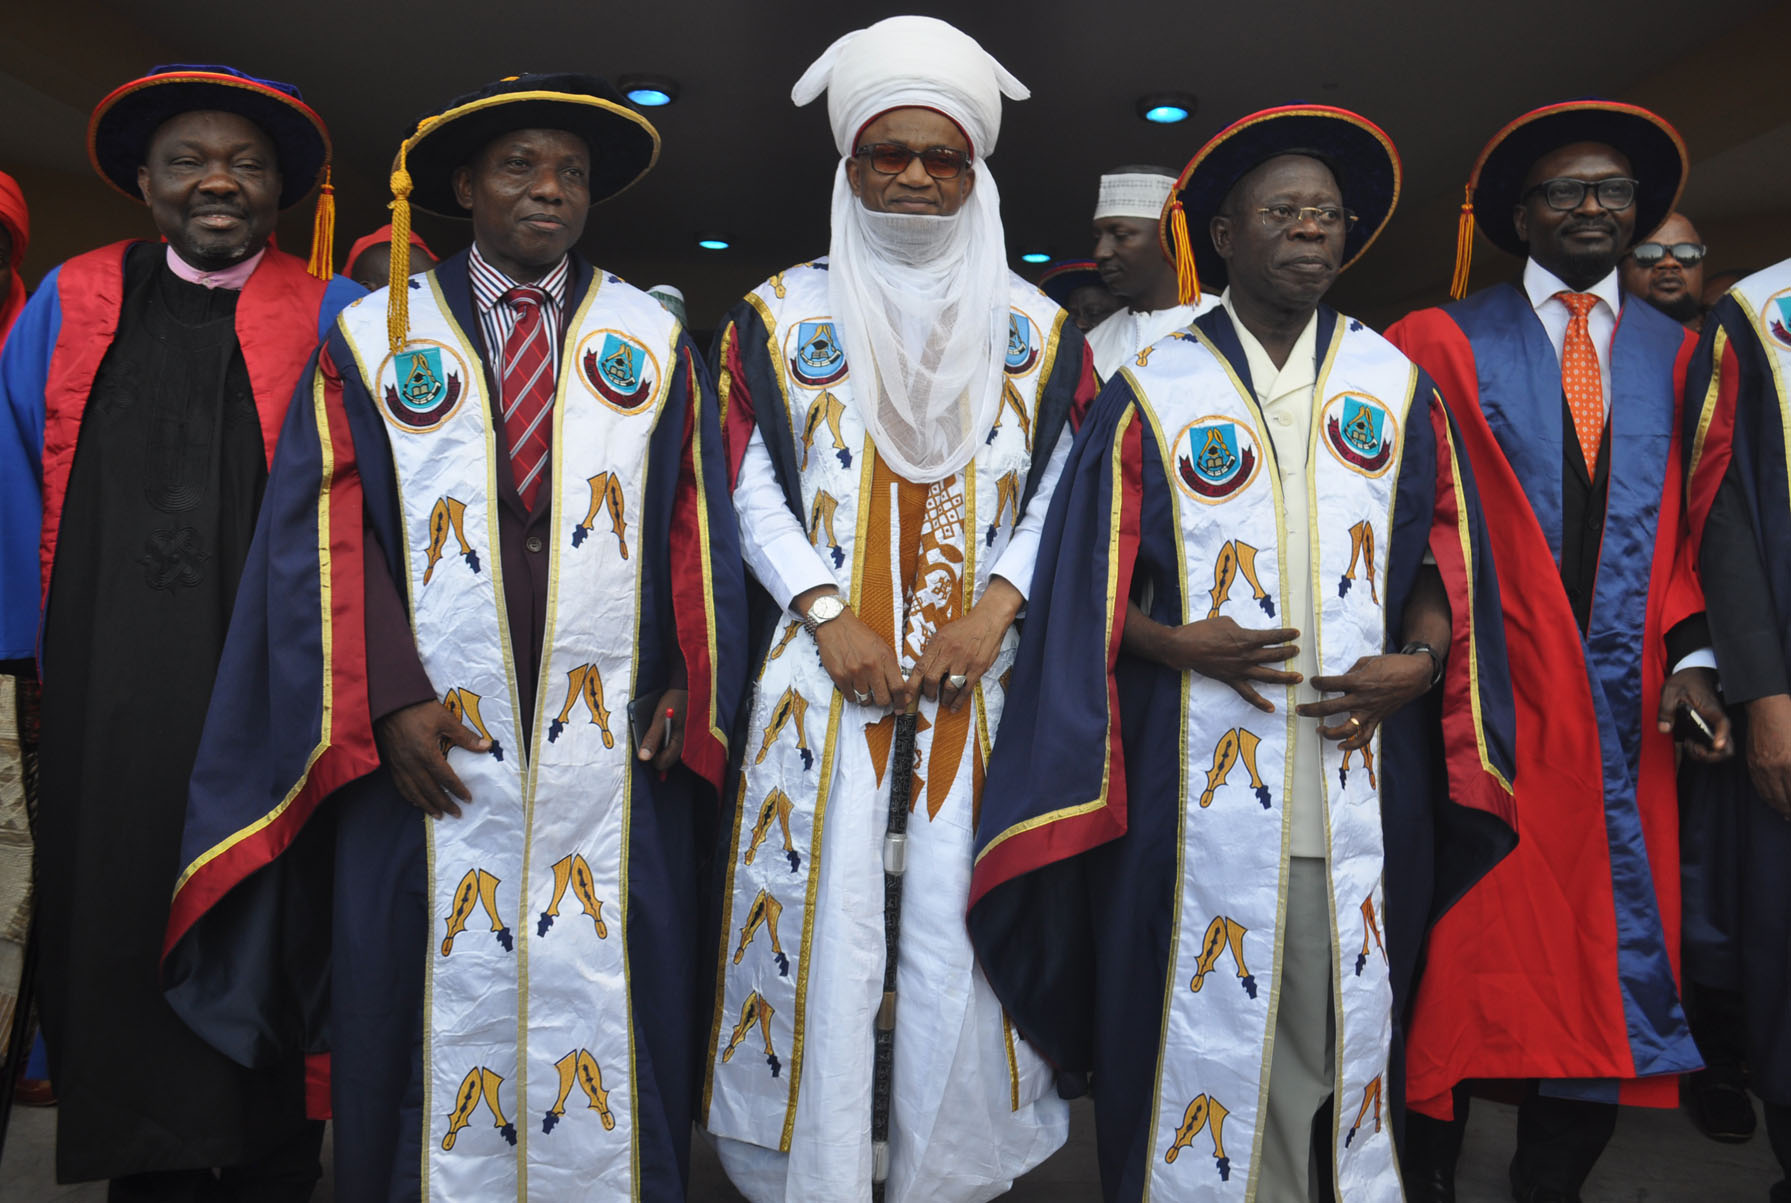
(527, 609)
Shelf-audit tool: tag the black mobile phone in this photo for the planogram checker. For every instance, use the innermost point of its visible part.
(641, 712)
(1689, 725)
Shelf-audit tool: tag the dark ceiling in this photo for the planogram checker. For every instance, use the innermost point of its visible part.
(739, 160)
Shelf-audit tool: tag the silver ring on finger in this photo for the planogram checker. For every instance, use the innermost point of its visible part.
(957, 680)
(860, 696)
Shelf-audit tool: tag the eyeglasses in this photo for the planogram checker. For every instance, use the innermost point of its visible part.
(1330, 218)
(1647, 254)
(892, 158)
(1565, 195)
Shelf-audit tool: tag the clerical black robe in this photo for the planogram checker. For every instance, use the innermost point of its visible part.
(156, 510)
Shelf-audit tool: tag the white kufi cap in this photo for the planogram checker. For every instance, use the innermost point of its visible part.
(1134, 194)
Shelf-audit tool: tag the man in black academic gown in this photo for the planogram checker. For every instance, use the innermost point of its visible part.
(145, 383)
(1737, 489)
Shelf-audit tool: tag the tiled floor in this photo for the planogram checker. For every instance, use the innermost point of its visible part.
(1657, 1157)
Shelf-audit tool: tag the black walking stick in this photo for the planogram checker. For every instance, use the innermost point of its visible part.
(895, 862)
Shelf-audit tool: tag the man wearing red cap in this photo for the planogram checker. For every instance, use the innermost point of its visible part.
(369, 261)
(144, 385)
(1568, 398)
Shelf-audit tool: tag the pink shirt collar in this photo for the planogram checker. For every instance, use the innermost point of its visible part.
(232, 278)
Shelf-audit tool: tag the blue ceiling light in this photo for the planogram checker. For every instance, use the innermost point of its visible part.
(1166, 108)
(1035, 257)
(648, 91)
(713, 244)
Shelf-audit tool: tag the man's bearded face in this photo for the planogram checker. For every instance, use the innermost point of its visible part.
(1670, 286)
(212, 182)
(1581, 245)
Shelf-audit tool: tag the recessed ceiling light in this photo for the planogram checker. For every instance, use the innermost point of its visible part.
(1166, 108)
(1035, 257)
(649, 91)
(713, 244)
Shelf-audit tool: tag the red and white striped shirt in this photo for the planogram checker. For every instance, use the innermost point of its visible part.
(497, 318)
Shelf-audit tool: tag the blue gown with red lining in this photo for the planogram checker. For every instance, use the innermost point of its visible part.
(1562, 964)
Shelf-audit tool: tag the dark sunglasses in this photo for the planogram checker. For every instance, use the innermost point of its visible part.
(1564, 194)
(1647, 254)
(892, 158)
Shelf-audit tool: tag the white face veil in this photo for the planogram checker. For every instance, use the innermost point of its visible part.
(921, 301)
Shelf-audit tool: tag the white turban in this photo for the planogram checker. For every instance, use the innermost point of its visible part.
(910, 61)
(921, 301)
(1133, 194)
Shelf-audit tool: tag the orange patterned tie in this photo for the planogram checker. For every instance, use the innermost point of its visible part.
(1579, 376)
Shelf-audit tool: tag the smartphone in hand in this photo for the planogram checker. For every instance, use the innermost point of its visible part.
(641, 712)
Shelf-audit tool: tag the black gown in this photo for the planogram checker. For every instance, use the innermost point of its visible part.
(168, 475)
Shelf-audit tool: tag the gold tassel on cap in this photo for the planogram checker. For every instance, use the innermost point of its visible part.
(1187, 279)
(398, 295)
(323, 231)
(1464, 246)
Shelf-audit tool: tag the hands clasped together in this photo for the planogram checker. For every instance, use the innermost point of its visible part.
(1243, 658)
(864, 667)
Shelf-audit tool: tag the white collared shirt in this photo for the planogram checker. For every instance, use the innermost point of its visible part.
(1541, 285)
(1286, 395)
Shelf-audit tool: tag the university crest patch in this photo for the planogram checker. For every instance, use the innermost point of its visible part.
(1360, 432)
(1215, 458)
(817, 358)
(421, 385)
(1022, 343)
(618, 369)
(1775, 319)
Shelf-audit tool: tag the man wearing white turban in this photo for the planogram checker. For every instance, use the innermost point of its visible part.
(896, 415)
(1132, 263)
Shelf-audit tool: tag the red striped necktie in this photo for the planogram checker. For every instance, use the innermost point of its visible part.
(528, 390)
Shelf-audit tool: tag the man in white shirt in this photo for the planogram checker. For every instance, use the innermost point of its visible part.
(1135, 266)
(1568, 399)
(897, 414)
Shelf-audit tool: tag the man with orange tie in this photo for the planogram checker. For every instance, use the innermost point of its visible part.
(1558, 971)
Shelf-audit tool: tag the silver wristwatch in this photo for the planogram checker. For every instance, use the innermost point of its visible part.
(826, 609)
